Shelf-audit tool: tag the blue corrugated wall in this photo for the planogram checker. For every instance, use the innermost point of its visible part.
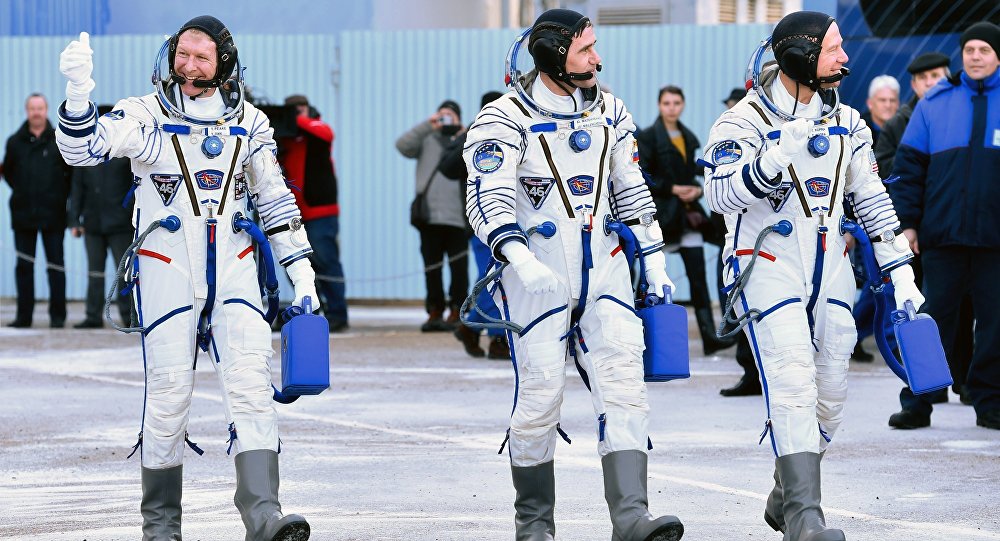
(372, 86)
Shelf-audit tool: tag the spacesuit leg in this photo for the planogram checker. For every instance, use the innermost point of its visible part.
(242, 342)
(167, 309)
(783, 346)
(611, 355)
(793, 373)
(241, 347)
(539, 357)
(836, 332)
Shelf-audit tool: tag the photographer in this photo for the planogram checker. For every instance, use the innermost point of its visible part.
(445, 231)
(307, 160)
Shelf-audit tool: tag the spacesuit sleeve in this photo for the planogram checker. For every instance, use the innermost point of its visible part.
(733, 177)
(128, 131)
(628, 188)
(493, 148)
(275, 203)
(871, 204)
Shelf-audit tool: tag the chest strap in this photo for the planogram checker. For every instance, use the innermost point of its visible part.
(187, 175)
(555, 175)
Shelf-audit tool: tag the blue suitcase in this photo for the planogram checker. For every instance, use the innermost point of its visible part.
(665, 329)
(305, 355)
(920, 347)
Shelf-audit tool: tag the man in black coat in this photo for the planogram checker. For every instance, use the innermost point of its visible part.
(39, 180)
(925, 71)
(98, 211)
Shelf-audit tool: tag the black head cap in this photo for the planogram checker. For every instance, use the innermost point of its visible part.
(797, 41)
(928, 61)
(224, 46)
(550, 39)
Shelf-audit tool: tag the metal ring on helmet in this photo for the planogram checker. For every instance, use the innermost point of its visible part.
(515, 79)
(753, 77)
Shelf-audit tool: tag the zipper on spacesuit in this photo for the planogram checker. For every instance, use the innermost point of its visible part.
(194, 446)
(563, 434)
(817, 279)
(135, 447)
(503, 444)
(767, 428)
(602, 422)
(205, 320)
(822, 230)
(232, 437)
(131, 191)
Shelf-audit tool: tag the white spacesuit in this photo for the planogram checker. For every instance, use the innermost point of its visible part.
(535, 156)
(200, 281)
(765, 166)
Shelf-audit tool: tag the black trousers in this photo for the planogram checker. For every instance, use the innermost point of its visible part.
(97, 253)
(436, 241)
(25, 241)
(694, 267)
(951, 274)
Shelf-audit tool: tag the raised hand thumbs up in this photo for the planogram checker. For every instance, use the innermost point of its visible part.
(77, 63)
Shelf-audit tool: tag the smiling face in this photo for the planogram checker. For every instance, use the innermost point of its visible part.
(195, 60)
(832, 57)
(583, 58)
(979, 60)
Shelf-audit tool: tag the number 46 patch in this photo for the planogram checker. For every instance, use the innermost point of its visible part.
(536, 189)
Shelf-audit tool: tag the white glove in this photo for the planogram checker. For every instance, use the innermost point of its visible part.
(304, 279)
(77, 63)
(656, 274)
(794, 137)
(906, 287)
(536, 277)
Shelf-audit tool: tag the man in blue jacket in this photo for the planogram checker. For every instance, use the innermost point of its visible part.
(948, 197)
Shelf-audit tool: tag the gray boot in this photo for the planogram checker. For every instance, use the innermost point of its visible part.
(625, 490)
(257, 499)
(800, 486)
(535, 502)
(773, 514)
(161, 504)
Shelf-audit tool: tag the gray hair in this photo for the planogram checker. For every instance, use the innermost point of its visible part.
(36, 95)
(883, 81)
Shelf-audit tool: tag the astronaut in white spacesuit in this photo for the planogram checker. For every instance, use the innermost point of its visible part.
(557, 149)
(783, 161)
(201, 154)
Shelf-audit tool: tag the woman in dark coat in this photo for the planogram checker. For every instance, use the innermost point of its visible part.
(667, 158)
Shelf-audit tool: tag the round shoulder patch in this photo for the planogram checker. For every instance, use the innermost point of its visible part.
(727, 152)
(488, 157)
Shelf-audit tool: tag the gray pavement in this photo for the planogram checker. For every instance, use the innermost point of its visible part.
(404, 446)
